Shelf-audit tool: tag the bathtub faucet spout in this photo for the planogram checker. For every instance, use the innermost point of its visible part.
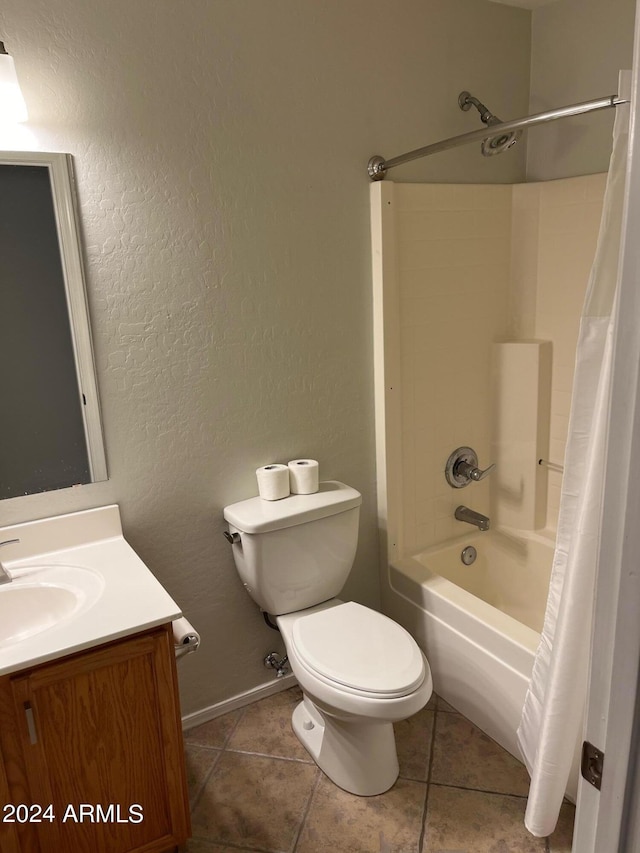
(463, 513)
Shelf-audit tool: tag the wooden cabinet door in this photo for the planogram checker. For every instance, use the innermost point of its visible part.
(102, 744)
(9, 842)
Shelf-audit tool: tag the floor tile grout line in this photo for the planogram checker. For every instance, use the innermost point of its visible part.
(206, 746)
(200, 791)
(270, 755)
(465, 787)
(232, 731)
(423, 828)
(433, 744)
(404, 778)
(425, 808)
(196, 799)
(478, 790)
(309, 763)
(227, 737)
(219, 750)
(306, 810)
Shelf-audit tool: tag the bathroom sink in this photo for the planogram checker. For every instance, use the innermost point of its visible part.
(40, 598)
(76, 584)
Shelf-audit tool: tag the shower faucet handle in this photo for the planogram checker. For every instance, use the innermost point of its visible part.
(462, 468)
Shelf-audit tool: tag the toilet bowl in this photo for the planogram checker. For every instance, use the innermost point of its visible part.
(359, 670)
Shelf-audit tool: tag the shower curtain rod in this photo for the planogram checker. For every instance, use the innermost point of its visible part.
(378, 166)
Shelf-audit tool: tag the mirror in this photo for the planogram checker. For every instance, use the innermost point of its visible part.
(50, 430)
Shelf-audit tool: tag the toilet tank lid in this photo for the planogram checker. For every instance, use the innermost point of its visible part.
(260, 516)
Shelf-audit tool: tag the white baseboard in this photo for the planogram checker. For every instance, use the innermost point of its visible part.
(197, 718)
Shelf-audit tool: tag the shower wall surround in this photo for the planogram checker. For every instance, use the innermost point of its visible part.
(555, 227)
(453, 273)
(465, 267)
(521, 372)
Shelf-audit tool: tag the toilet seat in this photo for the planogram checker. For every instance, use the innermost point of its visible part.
(359, 650)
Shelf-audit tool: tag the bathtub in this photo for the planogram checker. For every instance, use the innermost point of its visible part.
(479, 625)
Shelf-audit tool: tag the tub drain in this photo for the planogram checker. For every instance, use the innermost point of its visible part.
(468, 555)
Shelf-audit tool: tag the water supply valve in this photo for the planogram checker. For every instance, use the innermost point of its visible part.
(280, 664)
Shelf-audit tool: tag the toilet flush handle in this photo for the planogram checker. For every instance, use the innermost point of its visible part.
(232, 538)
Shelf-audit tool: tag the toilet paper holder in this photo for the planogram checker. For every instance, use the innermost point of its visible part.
(189, 644)
(185, 637)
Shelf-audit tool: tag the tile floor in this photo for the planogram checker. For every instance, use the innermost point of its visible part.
(253, 787)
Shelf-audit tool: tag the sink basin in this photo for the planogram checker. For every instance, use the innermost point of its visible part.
(76, 584)
(40, 598)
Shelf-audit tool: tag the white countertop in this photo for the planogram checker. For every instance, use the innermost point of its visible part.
(123, 596)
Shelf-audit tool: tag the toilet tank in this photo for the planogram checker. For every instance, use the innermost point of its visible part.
(298, 551)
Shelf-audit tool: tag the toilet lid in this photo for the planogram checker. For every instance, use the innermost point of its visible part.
(359, 648)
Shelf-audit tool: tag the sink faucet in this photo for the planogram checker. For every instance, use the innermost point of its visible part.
(463, 513)
(5, 577)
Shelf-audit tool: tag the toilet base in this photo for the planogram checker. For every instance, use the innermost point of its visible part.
(359, 755)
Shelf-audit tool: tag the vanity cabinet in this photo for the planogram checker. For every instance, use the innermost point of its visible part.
(91, 747)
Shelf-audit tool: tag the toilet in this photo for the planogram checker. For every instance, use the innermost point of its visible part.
(359, 670)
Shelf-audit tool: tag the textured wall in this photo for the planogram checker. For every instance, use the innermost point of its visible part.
(220, 149)
(577, 49)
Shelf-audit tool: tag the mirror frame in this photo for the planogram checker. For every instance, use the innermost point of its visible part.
(62, 179)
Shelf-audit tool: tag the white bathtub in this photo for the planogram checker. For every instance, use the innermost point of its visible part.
(478, 625)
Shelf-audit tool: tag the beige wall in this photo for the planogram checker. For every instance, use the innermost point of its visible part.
(577, 49)
(220, 149)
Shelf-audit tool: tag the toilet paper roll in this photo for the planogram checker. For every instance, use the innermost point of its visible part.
(304, 475)
(273, 482)
(185, 637)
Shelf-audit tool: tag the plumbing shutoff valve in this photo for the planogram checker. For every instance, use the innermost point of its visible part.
(280, 664)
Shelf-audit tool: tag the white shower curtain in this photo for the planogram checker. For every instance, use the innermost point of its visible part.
(552, 718)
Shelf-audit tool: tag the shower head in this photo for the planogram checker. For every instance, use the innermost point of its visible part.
(497, 144)
(492, 144)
